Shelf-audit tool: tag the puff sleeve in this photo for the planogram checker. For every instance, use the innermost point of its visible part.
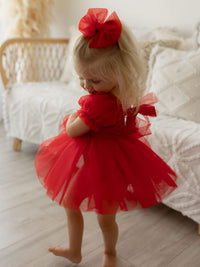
(98, 111)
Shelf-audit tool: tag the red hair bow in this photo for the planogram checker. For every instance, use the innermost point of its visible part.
(103, 32)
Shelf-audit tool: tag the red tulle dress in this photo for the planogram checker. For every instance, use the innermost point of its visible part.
(112, 167)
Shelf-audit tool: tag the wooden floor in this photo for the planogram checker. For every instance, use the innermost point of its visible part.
(30, 223)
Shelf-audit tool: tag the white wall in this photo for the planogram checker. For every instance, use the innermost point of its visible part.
(182, 14)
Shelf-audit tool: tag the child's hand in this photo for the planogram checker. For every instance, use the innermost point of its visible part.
(75, 126)
(73, 116)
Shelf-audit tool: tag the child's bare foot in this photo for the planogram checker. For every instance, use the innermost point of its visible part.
(66, 253)
(109, 260)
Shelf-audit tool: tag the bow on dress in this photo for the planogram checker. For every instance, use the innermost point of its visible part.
(103, 32)
(141, 126)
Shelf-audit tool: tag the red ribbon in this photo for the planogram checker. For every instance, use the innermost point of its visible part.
(103, 32)
(147, 110)
(146, 106)
(141, 126)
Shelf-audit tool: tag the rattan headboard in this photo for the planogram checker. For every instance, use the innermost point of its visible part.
(28, 59)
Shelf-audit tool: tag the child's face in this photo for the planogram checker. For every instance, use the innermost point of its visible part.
(93, 83)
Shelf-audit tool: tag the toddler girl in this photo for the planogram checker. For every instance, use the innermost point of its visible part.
(101, 161)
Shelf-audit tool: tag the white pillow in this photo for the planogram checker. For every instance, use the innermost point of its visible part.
(173, 34)
(166, 33)
(174, 76)
(68, 71)
(187, 44)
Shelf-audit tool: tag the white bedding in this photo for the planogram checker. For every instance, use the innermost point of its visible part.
(42, 114)
(177, 141)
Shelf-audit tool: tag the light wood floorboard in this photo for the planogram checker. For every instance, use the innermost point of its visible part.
(30, 223)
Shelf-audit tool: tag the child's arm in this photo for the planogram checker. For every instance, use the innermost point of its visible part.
(75, 126)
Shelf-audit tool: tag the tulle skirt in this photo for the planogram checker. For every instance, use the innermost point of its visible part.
(102, 174)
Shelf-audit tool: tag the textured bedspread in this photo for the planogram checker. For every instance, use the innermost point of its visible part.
(36, 109)
(177, 141)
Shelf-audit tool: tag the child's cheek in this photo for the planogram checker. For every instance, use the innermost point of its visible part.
(82, 84)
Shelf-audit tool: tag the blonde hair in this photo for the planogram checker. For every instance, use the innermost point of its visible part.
(122, 62)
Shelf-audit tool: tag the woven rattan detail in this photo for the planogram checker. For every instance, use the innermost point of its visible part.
(32, 60)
